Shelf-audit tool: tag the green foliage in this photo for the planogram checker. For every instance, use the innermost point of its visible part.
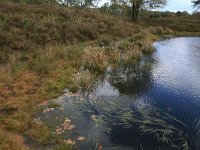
(196, 3)
(79, 3)
(32, 1)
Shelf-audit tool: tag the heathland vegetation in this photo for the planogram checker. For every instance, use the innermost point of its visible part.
(44, 45)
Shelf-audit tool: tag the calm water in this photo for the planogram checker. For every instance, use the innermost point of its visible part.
(151, 104)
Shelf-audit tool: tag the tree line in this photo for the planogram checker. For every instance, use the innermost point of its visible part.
(130, 8)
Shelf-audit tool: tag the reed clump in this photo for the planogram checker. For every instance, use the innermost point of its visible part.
(95, 59)
(84, 80)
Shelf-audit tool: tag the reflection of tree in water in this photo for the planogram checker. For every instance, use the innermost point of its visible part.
(139, 124)
(147, 125)
(133, 78)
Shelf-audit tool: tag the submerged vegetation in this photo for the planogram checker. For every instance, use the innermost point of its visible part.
(145, 119)
(47, 48)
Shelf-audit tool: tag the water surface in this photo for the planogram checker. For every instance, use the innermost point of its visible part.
(150, 104)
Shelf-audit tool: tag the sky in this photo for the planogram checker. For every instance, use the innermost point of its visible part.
(179, 5)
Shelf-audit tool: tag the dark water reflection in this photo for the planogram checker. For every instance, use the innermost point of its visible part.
(133, 78)
(151, 104)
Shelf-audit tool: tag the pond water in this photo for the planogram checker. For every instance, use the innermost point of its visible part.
(150, 104)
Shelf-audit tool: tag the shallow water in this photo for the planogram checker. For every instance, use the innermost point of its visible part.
(151, 104)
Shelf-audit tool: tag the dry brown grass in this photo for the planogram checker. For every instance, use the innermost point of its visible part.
(84, 80)
(10, 141)
(18, 99)
(24, 27)
(5, 73)
(95, 59)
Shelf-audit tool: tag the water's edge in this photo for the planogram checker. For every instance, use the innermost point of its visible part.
(151, 104)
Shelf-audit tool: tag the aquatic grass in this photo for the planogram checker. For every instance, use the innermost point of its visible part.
(64, 147)
(53, 105)
(148, 120)
(125, 44)
(148, 49)
(84, 80)
(114, 55)
(40, 132)
(95, 59)
(133, 53)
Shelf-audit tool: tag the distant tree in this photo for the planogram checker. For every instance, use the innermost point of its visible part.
(32, 1)
(105, 8)
(118, 7)
(182, 13)
(81, 3)
(196, 3)
(147, 4)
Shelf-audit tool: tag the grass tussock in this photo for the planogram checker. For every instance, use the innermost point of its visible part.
(84, 80)
(53, 105)
(95, 59)
(40, 133)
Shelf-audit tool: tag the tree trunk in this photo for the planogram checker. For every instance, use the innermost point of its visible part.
(135, 12)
